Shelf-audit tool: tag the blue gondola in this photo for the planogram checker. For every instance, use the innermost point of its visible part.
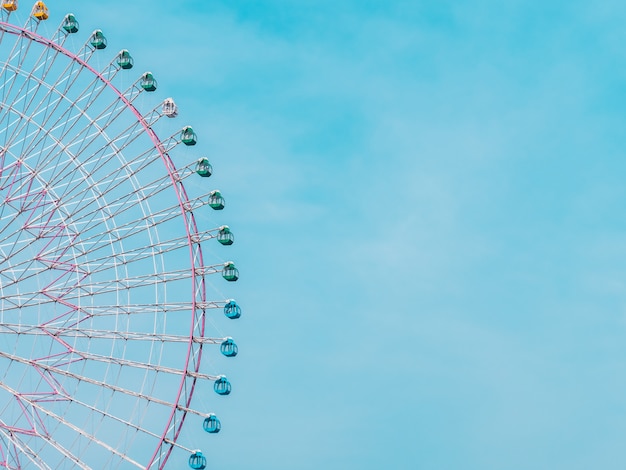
(125, 60)
(232, 310)
(216, 201)
(148, 82)
(211, 424)
(97, 40)
(222, 386)
(70, 24)
(204, 168)
(229, 348)
(225, 236)
(197, 461)
(230, 272)
(188, 136)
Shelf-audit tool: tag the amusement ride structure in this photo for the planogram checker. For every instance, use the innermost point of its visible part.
(104, 287)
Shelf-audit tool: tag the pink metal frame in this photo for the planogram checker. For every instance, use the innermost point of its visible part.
(160, 454)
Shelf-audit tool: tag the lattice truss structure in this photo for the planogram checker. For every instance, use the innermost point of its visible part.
(103, 284)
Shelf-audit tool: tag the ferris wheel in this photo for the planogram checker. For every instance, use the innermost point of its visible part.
(105, 317)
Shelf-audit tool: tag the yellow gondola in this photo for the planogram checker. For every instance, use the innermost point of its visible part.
(40, 11)
(9, 5)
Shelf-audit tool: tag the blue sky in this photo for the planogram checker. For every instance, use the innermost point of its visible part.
(426, 198)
